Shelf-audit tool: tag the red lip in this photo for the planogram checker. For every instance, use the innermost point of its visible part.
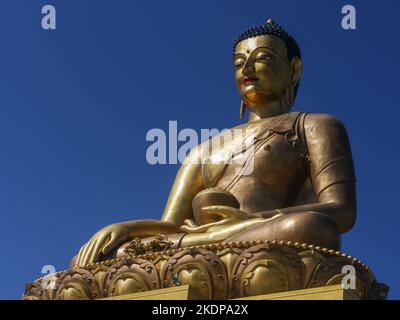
(249, 80)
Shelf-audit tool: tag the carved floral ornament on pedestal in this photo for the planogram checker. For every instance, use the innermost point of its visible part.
(220, 271)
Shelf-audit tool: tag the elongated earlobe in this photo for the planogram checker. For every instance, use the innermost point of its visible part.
(242, 109)
(289, 96)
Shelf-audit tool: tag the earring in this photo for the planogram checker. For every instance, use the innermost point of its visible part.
(242, 109)
(289, 96)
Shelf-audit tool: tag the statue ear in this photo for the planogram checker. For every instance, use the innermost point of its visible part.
(295, 71)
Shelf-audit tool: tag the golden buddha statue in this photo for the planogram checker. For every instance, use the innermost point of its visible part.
(301, 188)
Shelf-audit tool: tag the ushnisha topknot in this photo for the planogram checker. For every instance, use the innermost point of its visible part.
(271, 28)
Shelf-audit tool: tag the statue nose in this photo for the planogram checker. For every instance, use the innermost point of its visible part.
(248, 68)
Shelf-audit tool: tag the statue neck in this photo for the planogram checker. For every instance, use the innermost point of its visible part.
(270, 110)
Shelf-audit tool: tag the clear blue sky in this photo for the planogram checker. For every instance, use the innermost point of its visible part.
(76, 104)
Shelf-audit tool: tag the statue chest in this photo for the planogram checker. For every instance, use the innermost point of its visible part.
(267, 173)
(273, 162)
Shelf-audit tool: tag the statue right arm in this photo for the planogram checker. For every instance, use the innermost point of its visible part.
(188, 182)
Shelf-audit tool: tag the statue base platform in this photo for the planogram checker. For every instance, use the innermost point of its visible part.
(186, 292)
(266, 270)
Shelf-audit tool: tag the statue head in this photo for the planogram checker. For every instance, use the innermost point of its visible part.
(267, 64)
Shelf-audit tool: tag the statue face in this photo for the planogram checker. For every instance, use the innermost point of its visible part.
(262, 70)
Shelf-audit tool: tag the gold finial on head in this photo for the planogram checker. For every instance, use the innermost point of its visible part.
(270, 21)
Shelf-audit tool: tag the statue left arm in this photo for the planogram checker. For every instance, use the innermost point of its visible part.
(331, 172)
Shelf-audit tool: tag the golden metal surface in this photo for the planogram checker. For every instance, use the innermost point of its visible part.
(216, 271)
(184, 293)
(174, 293)
(302, 187)
(323, 293)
